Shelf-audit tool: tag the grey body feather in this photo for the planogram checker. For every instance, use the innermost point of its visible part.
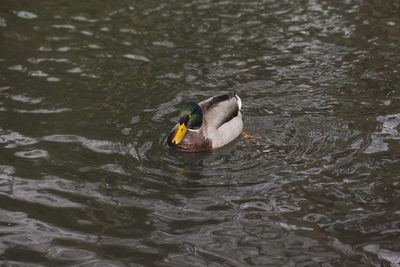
(222, 120)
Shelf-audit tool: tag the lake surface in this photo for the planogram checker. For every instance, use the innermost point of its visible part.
(89, 91)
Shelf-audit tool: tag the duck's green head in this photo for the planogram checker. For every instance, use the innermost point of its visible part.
(190, 117)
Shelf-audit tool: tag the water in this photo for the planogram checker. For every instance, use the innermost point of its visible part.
(89, 91)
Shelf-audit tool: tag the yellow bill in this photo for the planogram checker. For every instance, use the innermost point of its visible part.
(179, 134)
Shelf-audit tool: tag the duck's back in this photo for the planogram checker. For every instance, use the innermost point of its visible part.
(222, 118)
(219, 109)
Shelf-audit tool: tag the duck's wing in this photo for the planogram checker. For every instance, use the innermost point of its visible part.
(219, 109)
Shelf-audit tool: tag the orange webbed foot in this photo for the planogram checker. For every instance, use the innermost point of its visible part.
(250, 137)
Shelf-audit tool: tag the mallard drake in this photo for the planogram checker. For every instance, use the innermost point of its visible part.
(208, 124)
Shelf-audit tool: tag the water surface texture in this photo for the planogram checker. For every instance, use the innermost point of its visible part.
(90, 89)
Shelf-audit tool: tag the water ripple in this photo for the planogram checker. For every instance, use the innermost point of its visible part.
(31, 191)
(33, 154)
(136, 57)
(26, 99)
(99, 146)
(90, 93)
(14, 139)
(44, 111)
(25, 14)
(389, 131)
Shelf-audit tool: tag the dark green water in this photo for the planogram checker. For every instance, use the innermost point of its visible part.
(90, 89)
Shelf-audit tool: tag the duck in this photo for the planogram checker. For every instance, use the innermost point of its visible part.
(209, 124)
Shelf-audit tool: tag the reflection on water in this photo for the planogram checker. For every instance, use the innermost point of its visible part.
(389, 131)
(89, 91)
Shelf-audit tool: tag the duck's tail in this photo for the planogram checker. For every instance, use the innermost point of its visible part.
(239, 101)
